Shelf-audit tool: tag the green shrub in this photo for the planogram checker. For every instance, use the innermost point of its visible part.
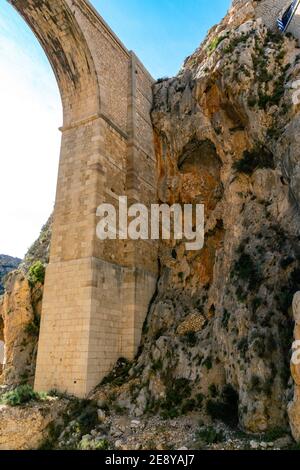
(263, 100)
(241, 295)
(252, 101)
(93, 444)
(235, 42)
(178, 390)
(225, 319)
(245, 267)
(255, 383)
(170, 413)
(256, 303)
(21, 395)
(273, 434)
(246, 270)
(119, 374)
(81, 418)
(86, 415)
(177, 399)
(210, 435)
(190, 338)
(273, 37)
(213, 390)
(214, 43)
(199, 400)
(243, 346)
(208, 363)
(257, 158)
(33, 328)
(37, 273)
(157, 365)
(225, 409)
(188, 405)
(284, 299)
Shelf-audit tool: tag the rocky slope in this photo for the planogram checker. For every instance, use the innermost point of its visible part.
(29, 426)
(7, 264)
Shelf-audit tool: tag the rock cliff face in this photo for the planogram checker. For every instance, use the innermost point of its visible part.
(7, 264)
(20, 311)
(29, 426)
(220, 329)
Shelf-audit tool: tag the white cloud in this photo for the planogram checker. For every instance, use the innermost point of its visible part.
(29, 145)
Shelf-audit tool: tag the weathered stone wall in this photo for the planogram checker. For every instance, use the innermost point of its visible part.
(20, 311)
(96, 293)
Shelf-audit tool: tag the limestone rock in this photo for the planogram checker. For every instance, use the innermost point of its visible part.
(27, 427)
(20, 310)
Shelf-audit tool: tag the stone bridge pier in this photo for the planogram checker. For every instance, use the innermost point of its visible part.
(97, 293)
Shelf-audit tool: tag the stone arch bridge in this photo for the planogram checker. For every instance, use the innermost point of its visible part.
(96, 293)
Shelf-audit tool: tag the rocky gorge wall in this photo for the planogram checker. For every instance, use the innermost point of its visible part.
(20, 312)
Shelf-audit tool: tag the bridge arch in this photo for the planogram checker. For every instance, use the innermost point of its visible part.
(96, 294)
(63, 41)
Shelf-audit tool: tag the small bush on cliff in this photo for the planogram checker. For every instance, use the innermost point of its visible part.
(93, 444)
(274, 434)
(177, 400)
(210, 435)
(119, 374)
(33, 328)
(248, 272)
(190, 338)
(37, 273)
(214, 43)
(257, 158)
(235, 42)
(21, 395)
(245, 268)
(225, 409)
(225, 319)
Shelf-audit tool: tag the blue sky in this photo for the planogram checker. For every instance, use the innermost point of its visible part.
(161, 32)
